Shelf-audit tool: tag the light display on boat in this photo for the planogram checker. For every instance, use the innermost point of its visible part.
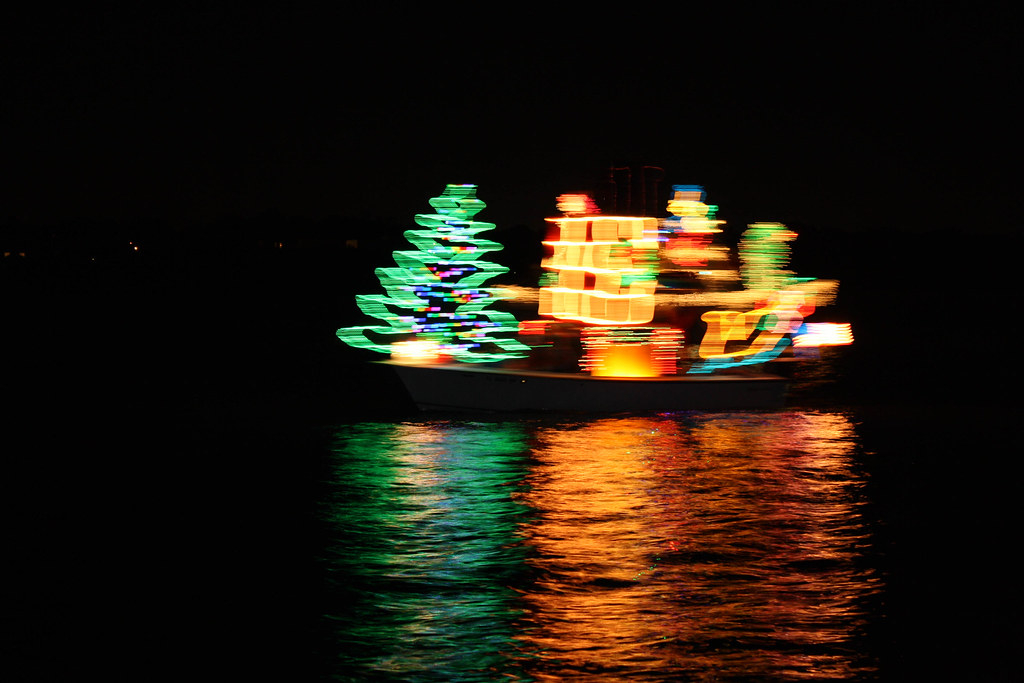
(602, 270)
(764, 253)
(630, 351)
(688, 232)
(761, 334)
(435, 308)
(737, 338)
(620, 297)
(823, 334)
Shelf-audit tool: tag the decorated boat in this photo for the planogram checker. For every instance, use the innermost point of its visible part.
(631, 313)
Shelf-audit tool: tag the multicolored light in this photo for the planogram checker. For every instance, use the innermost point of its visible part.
(438, 289)
(598, 290)
(689, 249)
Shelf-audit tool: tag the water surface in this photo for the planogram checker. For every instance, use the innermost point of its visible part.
(687, 546)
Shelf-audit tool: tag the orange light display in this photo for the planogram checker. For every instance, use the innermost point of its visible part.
(630, 352)
(576, 204)
(625, 290)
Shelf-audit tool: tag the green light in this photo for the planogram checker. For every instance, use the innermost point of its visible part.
(438, 286)
(764, 253)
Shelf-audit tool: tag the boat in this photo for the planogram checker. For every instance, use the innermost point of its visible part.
(631, 313)
(493, 389)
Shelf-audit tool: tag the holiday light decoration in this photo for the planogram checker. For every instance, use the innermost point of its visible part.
(688, 232)
(576, 205)
(823, 334)
(442, 310)
(691, 256)
(764, 253)
(416, 352)
(598, 293)
(761, 335)
(630, 351)
(737, 338)
(603, 269)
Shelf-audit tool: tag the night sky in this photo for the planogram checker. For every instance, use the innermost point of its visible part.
(846, 120)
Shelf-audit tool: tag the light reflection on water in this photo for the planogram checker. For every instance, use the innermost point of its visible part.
(628, 548)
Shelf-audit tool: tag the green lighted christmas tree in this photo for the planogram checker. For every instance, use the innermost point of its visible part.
(435, 306)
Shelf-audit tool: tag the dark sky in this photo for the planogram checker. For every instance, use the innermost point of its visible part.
(840, 119)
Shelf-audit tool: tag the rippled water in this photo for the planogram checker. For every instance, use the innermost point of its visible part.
(645, 548)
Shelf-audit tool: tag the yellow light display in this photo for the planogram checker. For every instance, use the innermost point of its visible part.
(605, 270)
(417, 352)
(603, 278)
(782, 315)
(824, 334)
(690, 213)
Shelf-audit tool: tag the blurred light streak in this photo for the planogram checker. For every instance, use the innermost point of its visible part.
(576, 205)
(764, 253)
(417, 352)
(823, 293)
(824, 334)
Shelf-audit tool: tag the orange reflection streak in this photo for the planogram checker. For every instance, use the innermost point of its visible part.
(677, 548)
(586, 604)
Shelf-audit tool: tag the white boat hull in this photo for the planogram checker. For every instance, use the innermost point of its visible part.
(462, 387)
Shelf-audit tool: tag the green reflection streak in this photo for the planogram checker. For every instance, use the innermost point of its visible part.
(425, 549)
